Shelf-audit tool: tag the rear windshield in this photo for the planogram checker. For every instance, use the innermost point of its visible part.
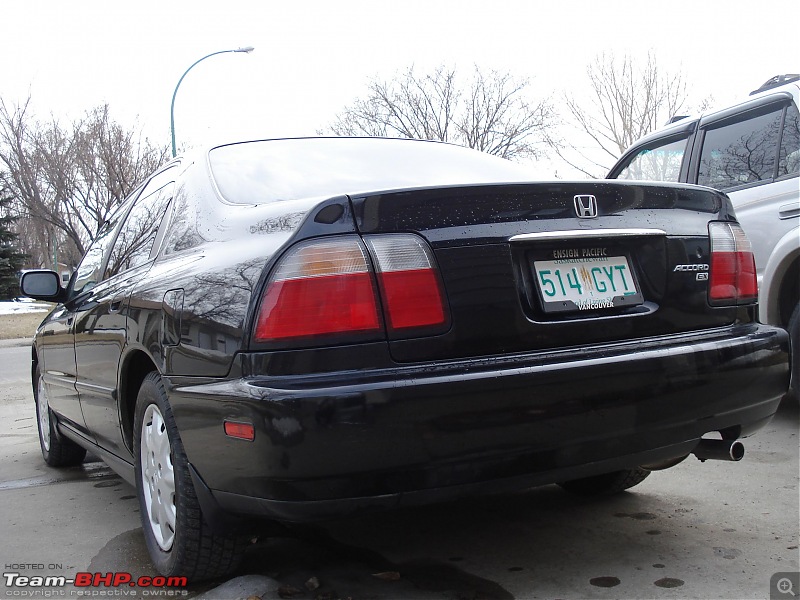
(274, 170)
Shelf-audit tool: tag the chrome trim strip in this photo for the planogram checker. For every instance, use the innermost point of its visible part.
(95, 390)
(574, 234)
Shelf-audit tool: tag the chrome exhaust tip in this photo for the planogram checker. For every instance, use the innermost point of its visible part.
(732, 450)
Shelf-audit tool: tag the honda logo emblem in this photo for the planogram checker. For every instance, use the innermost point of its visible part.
(585, 206)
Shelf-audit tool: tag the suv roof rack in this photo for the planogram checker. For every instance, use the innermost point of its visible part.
(776, 81)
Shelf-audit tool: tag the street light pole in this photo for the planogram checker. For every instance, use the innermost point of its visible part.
(246, 50)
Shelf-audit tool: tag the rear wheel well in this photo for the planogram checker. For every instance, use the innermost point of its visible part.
(789, 293)
(137, 366)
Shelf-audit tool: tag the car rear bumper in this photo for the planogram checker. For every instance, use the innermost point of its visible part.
(350, 440)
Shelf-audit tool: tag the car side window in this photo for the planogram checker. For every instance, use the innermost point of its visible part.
(657, 162)
(741, 152)
(789, 160)
(182, 233)
(134, 243)
(89, 271)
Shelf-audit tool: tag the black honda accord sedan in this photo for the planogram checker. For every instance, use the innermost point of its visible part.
(299, 329)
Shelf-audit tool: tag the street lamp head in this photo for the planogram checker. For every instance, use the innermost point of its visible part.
(247, 49)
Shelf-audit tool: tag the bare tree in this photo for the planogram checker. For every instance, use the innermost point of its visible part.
(490, 112)
(624, 101)
(68, 180)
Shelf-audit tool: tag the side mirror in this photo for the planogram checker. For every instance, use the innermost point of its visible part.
(42, 285)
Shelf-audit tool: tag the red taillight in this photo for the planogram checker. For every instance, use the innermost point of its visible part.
(320, 287)
(733, 268)
(327, 287)
(409, 283)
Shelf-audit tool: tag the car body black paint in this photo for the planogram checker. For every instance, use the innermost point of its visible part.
(507, 397)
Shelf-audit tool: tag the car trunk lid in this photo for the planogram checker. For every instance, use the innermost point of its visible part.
(543, 266)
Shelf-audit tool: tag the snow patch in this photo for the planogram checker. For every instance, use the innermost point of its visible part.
(23, 306)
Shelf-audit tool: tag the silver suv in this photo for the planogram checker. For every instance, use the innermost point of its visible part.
(751, 151)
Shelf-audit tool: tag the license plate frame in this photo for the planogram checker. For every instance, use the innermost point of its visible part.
(586, 284)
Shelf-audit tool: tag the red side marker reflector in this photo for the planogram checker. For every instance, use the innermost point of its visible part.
(240, 431)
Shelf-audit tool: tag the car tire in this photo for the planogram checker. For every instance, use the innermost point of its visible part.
(57, 450)
(794, 338)
(607, 483)
(180, 543)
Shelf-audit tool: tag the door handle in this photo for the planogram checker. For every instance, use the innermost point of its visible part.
(787, 211)
(115, 307)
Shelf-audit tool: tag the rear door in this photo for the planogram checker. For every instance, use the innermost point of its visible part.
(101, 319)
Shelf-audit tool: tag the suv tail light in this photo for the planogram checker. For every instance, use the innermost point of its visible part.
(409, 283)
(320, 287)
(733, 268)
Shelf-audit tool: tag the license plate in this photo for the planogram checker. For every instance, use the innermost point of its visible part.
(578, 284)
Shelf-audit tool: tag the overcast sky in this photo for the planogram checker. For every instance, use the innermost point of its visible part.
(312, 58)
